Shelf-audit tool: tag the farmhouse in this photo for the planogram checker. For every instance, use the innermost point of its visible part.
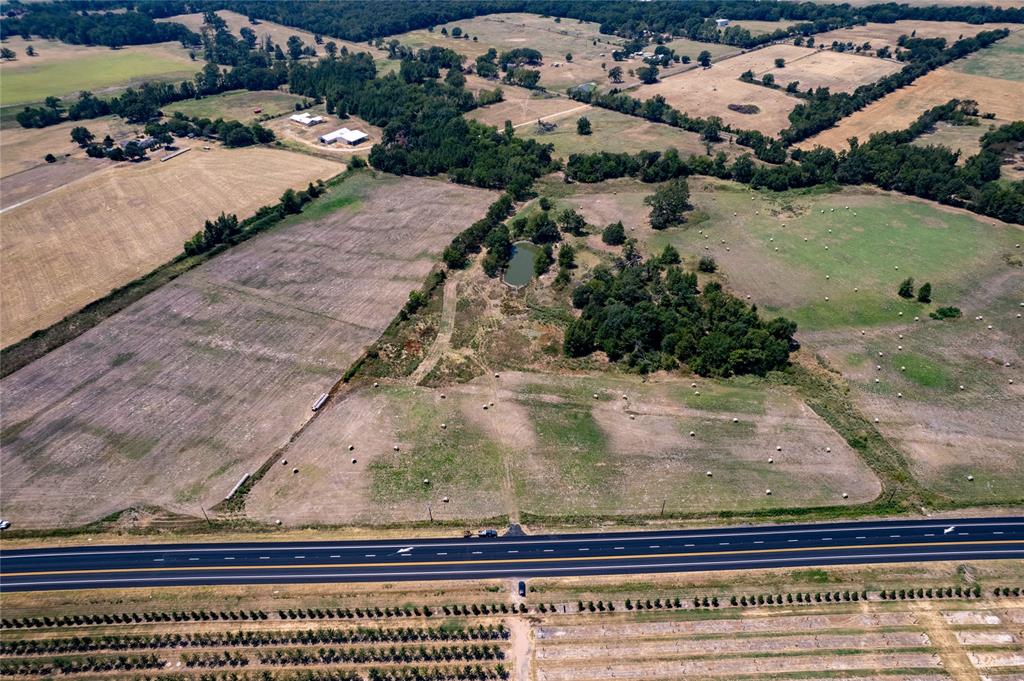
(722, 23)
(351, 137)
(307, 120)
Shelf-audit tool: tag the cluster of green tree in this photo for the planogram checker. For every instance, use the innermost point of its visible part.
(653, 316)
(227, 230)
(825, 109)
(523, 77)
(487, 64)
(361, 20)
(113, 29)
(519, 56)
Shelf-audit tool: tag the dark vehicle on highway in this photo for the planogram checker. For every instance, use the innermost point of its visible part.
(522, 589)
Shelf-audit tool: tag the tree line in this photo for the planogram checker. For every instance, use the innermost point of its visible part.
(112, 29)
(362, 20)
(887, 160)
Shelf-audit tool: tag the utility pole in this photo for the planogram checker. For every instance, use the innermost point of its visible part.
(430, 513)
(663, 506)
(205, 516)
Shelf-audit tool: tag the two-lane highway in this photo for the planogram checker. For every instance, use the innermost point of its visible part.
(522, 556)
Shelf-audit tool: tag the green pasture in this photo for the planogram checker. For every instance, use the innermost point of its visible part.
(97, 71)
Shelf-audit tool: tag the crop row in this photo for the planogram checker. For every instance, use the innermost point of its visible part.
(78, 665)
(131, 618)
(113, 642)
(403, 611)
(393, 654)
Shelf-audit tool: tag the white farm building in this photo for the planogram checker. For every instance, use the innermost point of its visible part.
(307, 120)
(721, 23)
(351, 137)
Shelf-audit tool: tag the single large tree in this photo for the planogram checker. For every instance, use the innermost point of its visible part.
(669, 203)
(81, 136)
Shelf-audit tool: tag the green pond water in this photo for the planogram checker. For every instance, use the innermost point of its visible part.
(520, 267)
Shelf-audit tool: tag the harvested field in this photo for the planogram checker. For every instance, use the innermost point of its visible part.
(171, 401)
(838, 71)
(237, 105)
(554, 40)
(709, 92)
(615, 132)
(62, 70)
(692, 48)
(523, 107)
(278, 33)
(547, 447)
(896, 111)
(140, 212)
(24, 148)
(886, 35)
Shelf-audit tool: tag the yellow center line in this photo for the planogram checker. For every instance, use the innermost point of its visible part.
(498, 561)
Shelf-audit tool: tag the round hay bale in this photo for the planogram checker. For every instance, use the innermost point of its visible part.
(845, 495)
(396, 448)
(771, 460)
(295, 471)
(828, 450)
(284, 462)
(768, 492)
(353, 460)
(693, 434)
(970, 478)
(708, 474)
(351, 447)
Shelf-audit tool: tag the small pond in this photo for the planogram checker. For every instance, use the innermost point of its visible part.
(520, 267)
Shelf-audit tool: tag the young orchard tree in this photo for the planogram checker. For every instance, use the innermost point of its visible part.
(669, 203)
(583, 126)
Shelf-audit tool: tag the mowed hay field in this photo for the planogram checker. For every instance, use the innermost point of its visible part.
(554, 40)
(63, 70)
(278, 33)
(239, 105)
(614, 132)
(835, 273)
(1002, 60)
(886, 35)
(1004, 98)
(64, 249)
(172, 400)
(546, 446)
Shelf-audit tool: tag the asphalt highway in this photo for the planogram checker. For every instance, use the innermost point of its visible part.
(747, 547)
